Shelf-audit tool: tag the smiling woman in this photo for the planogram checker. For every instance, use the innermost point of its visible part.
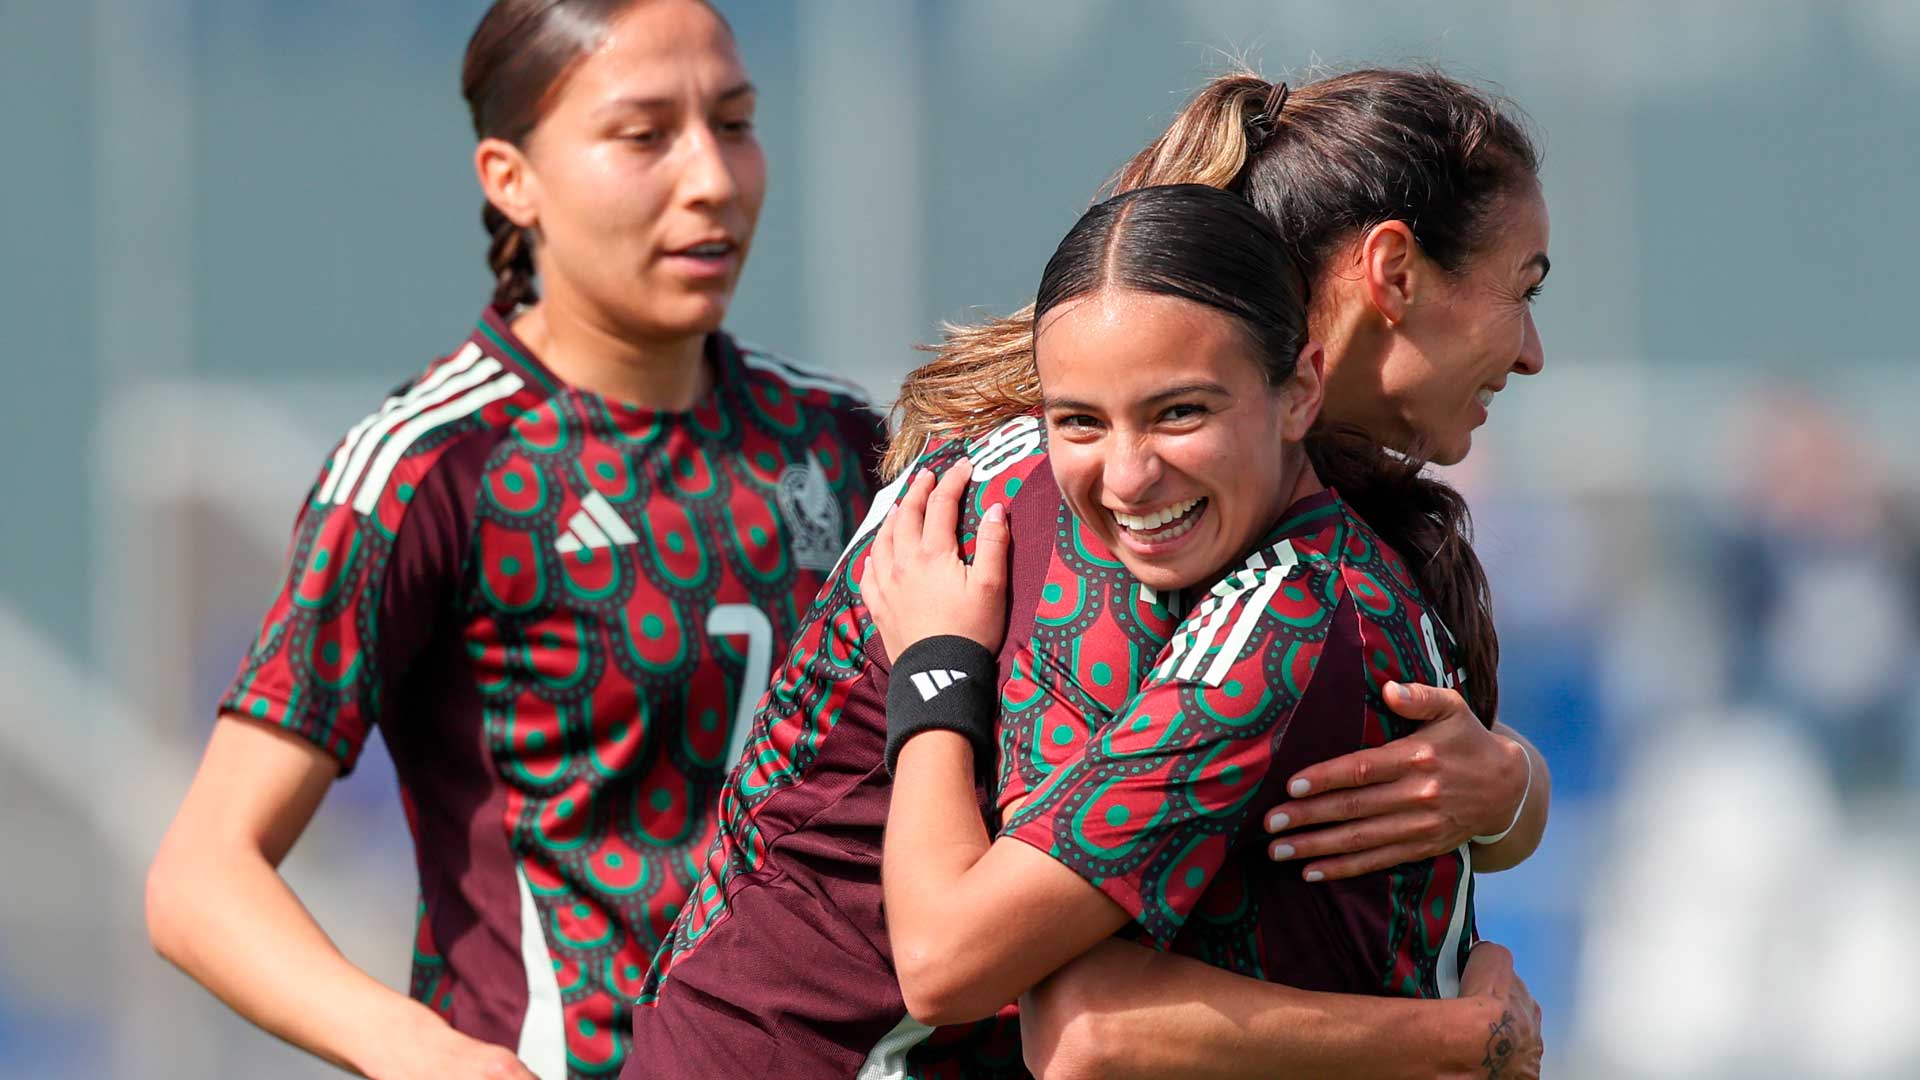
(554, 570)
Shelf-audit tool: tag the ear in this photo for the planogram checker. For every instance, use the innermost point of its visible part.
(507, 180)
(1388, 254)
(1304, 391)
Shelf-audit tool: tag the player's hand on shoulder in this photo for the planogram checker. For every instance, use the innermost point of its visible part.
(1416, 797)
(1504, 1042)
(915, 583)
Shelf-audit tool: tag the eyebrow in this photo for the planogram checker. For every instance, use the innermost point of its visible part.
(731, 93)
(1203, 386)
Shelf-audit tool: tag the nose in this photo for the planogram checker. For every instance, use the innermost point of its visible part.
(1533, 355)
(706, 177)
(1132, 469)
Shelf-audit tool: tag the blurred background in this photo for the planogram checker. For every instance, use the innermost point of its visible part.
(230, 225)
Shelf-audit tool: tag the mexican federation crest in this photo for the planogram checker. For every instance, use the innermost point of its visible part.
(812, 515)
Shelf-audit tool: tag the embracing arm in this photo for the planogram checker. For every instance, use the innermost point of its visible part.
(1125, 1011)
(973, 922)
(1418, 796)
(219, 910)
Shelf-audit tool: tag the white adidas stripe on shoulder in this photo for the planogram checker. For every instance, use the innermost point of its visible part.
(461, 362)
(475, 399)
(1237, 604)
(798, 374)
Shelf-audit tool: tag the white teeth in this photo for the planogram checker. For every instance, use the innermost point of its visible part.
(1149, 522)
(718, 248)
(1485, 397)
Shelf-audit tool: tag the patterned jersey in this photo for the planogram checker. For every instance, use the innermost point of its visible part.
(559, 610)
(783, 954)
(1279, 667)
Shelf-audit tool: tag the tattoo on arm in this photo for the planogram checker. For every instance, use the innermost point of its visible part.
(1499, 1048)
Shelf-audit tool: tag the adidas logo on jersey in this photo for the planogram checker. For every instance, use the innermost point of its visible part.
(594, 525)
(930, 683)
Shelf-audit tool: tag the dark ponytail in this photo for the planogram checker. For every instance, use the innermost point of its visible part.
(1427, 522)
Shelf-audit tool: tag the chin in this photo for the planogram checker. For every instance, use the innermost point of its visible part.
(698, 314)
(1452, 452)
(1162, 577)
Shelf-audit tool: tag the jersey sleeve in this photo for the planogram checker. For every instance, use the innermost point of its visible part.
(364, 591)
(1150, 809)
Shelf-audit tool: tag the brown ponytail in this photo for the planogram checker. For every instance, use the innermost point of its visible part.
(1428, 524)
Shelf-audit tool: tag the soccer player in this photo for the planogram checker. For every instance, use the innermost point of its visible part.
(784, 880)
(1179, 389)
(554, 569)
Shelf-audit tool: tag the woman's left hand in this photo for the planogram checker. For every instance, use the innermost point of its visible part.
(915, 583)
(1414, 798)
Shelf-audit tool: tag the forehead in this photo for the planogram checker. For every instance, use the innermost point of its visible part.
(1117, 344)
(658, 49)
(1520, 230)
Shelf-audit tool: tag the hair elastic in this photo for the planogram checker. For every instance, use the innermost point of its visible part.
(1260, 127)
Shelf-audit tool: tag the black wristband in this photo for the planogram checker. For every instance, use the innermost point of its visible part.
(945, 683)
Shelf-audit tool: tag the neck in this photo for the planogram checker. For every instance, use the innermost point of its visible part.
(1357, 343)
(666, 374)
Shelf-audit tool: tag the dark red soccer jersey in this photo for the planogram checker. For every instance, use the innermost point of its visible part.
(1279, 667)
(781, 962)
(560, 611)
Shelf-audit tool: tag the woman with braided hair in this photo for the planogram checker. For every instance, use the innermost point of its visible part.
(554, 569)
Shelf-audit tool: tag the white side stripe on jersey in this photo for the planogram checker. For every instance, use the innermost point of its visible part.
(461, 361)
(804, 377)
(458, 409)
(369, 442)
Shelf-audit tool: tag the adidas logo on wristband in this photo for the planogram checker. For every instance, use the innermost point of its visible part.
(930, 683)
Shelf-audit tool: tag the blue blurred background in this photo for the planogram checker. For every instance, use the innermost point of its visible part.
(230, 225)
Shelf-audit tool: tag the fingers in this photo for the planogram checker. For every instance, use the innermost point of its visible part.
(942, 527)
(1360, 863)
(1418, 701)
(1362, 768)
(873, 579)
(909, 518)
(989, 571)
(1362, 847)
(1404, 794)
(1487, 964)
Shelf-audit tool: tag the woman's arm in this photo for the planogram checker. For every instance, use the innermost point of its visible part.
(974, 923)
(1418, 796)
(219, 910)
(1124, 1011)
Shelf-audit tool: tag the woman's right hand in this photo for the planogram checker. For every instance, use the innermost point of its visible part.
(1513, 1046)
(424, 1047)
(916, 585)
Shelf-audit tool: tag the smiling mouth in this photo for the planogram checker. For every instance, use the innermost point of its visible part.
(1485, 397)
(715, 249)
(1167, 523)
